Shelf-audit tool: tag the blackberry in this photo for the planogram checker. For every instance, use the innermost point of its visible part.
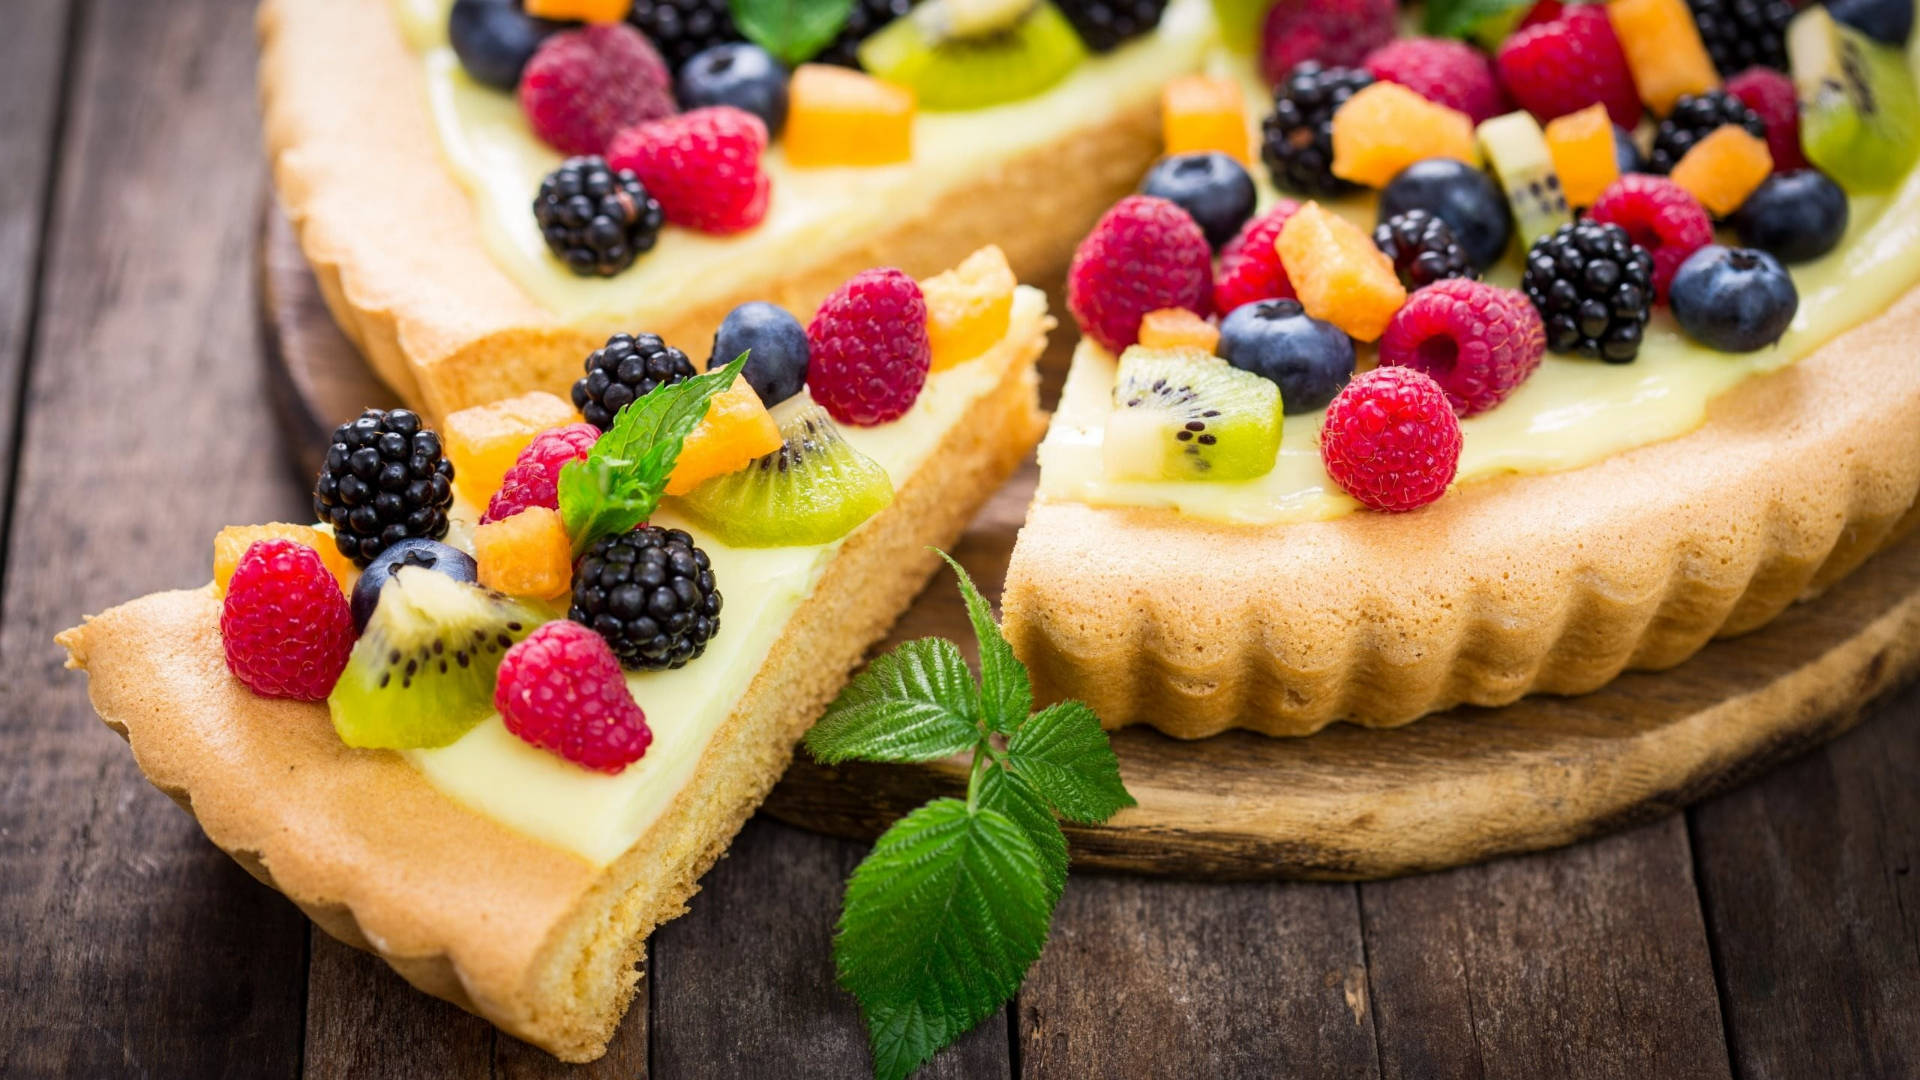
(651, 594)
(1594, 288)
(1693, 118)
(1105, 25)
(681, 28)
(1740, 34)
(865, 20)
(1297, 137)
(627, 367)
(596, 220)
(1422, 248)
(385, 480)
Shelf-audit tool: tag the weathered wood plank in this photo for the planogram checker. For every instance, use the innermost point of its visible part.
(365, 1023)
(1813, 905)
(1589, 962)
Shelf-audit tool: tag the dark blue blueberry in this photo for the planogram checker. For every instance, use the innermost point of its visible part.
(431, 554)
(1627, 152)
(1310, 360)
(494, 39)
(1794, 216)
(1733, 299)
(1464, 197)
(1889, 21)
(737, 74)
(1211, 187)
(776, 345)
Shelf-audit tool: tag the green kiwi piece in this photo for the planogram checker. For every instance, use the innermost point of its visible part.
(1517, 148)
(968, 54)
(1859, 111)
(815, 489)
(422, 672)
(1183, 414)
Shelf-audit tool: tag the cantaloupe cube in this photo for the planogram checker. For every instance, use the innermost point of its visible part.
(1172, 328)
(1386, 127)
(234, 540)
(483, 441)
(1200, 113)
(1339, 274)
(838, 116)
(1723, 169)
(1582, 147)
(595, 11)
(969, 307)
(1664, 50)
(527, 554)
(736, 429)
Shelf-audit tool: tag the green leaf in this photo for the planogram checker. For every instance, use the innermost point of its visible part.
(915, 703)
(792, 30)
(617, 485)
(1065, 755)
(1006, 693)
(1461, 18)
(1013, 796)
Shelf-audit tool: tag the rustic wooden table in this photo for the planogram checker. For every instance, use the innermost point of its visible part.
(1772, 932)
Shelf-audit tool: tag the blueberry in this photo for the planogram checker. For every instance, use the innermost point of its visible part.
(1793, 216)
(1888, 21)
(1733, 299)
(494, 39)
(431, 554)
(1211, 187)
(1309, 359)
(1461, 195)
(776, 345)
(1627, 152)
(737, 74)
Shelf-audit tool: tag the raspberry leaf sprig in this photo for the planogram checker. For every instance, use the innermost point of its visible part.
(943, 918)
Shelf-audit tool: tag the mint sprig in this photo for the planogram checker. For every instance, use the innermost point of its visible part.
(1483, 20)
(946, 914)
(792, 30)
(618, 484)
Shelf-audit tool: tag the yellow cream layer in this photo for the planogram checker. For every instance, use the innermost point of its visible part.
(598, 816)
(495, 156)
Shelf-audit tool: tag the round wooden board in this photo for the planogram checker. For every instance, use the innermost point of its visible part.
(1458, 787)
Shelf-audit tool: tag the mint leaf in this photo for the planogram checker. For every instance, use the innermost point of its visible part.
(1009, 794)
(617, 485)
(792, 30)
(1065, 755)
(1460, 18)
(1006, 693)
(916, 703)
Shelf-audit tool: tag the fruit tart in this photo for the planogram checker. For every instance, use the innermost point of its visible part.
(487, 189)
(494, 713)
(1549, 345)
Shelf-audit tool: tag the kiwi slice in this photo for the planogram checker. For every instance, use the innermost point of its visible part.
(1183, 414)
(1517, 149)
(1859, 111)
(968, 54)
(815, 489)
(422, 672)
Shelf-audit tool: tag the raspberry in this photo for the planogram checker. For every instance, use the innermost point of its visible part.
(1337, 33)
(534, 478)
(1391, 440)
(703, 167)
(285, 623)
(1478, 341)
(562, 689)
(1143, 255)
(1554, 68)
(1250, 265)
(869, 348)
(1451, 73)
(583, 86)
(1771, 97)
(1660, 216)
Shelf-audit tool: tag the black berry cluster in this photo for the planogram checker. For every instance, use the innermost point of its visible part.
(1740, 34)
(1423, 248)
(1693, 118)
(1297, 137)
(625, 369)
(595, 219)
(1105, 25)
(1594, 288)
(651, 594)
(681, 28)
(384, 480)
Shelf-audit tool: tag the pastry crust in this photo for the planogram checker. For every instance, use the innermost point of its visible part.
(1549, 583)
(533, 938)
(393, 240)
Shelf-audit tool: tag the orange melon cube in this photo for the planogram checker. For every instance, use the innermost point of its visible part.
(1200, 113)
(483, 441)
(234, 540)
(969, 307)
(1723, 169)
(1386, 127)
(1663, 49)
(838, 116)
(527, 554)
(595, 11)
(1172, 328)
(1340, 275)
(1581, 144)
(736, 429)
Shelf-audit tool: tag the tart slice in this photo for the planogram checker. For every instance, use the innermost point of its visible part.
(500, 766)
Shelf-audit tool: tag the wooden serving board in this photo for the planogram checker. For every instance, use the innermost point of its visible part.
(1459, 787)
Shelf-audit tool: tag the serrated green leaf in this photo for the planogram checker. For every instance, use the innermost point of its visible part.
(915, 703)
(1065, 755)
(792, 30)
(1460, 18)
(1013, 796)
(1006, 693)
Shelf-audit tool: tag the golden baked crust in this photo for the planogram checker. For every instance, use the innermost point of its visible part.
(1523, 584)
(534, 939)
(393, 241)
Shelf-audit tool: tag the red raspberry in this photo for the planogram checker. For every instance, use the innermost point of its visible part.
(1391, 440)
(1554, 68)
(869, 348)
(1660, 216)
(1771, 96)
(584, 85)
(1478, 341)
(562, 690)
(534, 479)
(703, 167)
(1250, 265)
(1143, 255)
(1338, 33)
(1543, 12)
(1452, 73)
(285, 623)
